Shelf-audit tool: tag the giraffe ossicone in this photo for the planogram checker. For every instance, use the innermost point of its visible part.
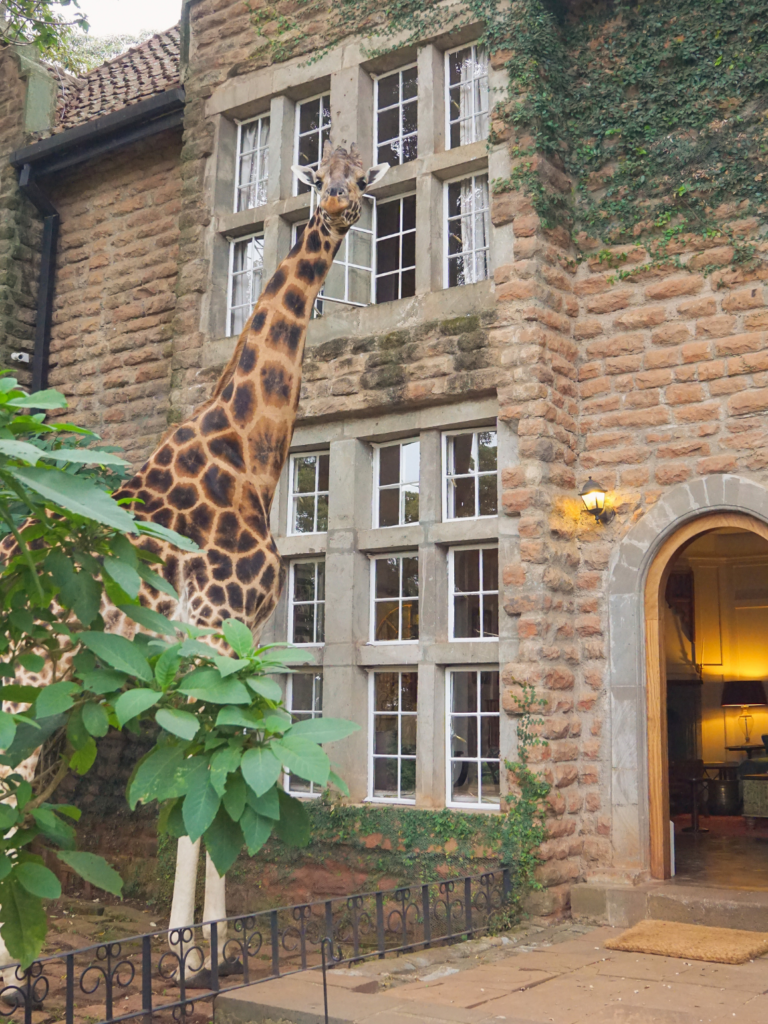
(213, 478)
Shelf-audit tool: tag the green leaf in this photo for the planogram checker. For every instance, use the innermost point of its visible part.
(103, 680)
(151, 620)
(180, 723)
(87, 456)
(93, 869)
(55, 699)
(38, 880)
(293, 825)
(155, 581)
(118, 653)
(266, 688)
(6, 864)
(234, 797)
(48, 399)
(31, 662)
(124, 575)
(83, 759)
(303, 758)
(163, 533)
(29, 736)
(52, 826)
(323, 730)
(75, 494)
(21, 450)
(223, 841)
(8, 817)
(95, 719)
(24, 922)
(191, 647)
(260, 769)
(221, 692)
(200, 805)
(338, 782)
(267, 805)
(256, 830)
(156, 776)
(240, 719)
(71, 812)
(20, 694)
(167, 665)
(228, 666)
(134, 702)
(238, 636)
(224, 761)
(7, 730)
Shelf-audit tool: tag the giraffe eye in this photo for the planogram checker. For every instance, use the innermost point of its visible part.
(362, 182)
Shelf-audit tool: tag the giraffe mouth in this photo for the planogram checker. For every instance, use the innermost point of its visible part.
(335, 205)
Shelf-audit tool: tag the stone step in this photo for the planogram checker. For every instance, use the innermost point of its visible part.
(625, 905)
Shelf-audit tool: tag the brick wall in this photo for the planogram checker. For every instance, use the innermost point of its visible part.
(115, 299)
(20, 229)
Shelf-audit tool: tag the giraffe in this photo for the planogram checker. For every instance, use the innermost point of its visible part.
(214, 477)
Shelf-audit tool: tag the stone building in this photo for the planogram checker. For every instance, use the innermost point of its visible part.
(465, 375)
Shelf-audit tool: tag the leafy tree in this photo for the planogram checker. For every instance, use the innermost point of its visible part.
(224, 736)
(80, 52)
(39, 21)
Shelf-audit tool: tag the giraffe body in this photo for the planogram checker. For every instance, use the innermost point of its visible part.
(214, 477)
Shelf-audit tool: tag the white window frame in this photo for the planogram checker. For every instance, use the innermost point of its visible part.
(477, 474)
(315, 603)
(238, 160)
(231, 278)
(291, 531)
(452, 594)
(377, 446)
(447, 96)
(372, 756)
(399, 235)
(315, 790)
(341, 259)
(297, 135)
(446, 231)
(399, 105)
(449, 760)
(373, 601)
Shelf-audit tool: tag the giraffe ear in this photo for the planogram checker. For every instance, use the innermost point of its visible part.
(373, 175)
(307, 175)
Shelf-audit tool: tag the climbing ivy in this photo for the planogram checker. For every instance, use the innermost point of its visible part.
(657, 110)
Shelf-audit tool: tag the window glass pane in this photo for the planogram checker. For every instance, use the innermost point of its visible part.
(389, 124)
(388, 218)
(490, 568)
(387, 577)
(303, 624)
(464, 691)
(385, 734)
(387, 620)
(302, 699)
(410, 83)
(408, 284)
(389, 464)
(408, 735)
(489, 691)
(410, 625)
(386, 691)
(466, 617)
(388, 255)
(320, 581)
(464, 498)
(488, 495)
(389, 90)
(322, 513)
(305, 477)
(304, 515)
(385, 776)
(388, 154)
(466, 571)
(490, 615)
(410, 460)
(486, 450)
(409, 213)
(409, 121)
(410, 577)
(304, 581)
(463, 460)
(409, 249)
(408, 691)
(409, 149)
(389, 507)
(323, 463)
(410, 504)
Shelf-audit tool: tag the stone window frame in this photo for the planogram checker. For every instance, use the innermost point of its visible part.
(372, 756)
(349, 74)
(313, 790)
(239, 156)
(446, 434)
(449, 759)
(291, 530)
(348, 655)
(376, 447)
(234, 242)
(452, 593)
(401, 599)
(315, 602)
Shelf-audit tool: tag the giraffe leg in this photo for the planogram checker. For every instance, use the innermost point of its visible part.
(183, 905)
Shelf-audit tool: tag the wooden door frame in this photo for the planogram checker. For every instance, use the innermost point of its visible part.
(656, 673)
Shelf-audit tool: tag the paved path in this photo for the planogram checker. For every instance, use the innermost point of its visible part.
(557, 976)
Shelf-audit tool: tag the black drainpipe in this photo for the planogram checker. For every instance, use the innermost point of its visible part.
(68, 149)
(47, 281)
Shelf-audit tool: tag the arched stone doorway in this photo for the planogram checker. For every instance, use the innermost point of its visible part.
(638, 791)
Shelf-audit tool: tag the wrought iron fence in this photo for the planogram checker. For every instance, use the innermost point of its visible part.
(163, 974)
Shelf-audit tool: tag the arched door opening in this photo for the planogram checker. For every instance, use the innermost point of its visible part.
(706, 612)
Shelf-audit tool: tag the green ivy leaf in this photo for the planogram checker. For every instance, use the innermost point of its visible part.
(118, 653)
(93, 869)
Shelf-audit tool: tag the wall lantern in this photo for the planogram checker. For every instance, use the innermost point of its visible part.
(593, 496)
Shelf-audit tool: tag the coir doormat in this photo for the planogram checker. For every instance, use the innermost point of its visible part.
(691, 942)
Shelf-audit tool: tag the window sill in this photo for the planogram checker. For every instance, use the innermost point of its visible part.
(474, 808)
(306, 666)
(389, 655)
(389, 800)
(295, 545)
(390, 538)
(464, 531)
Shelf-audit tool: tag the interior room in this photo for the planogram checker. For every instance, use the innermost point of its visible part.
(716, 639)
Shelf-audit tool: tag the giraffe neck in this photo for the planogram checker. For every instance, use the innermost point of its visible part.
(259, 388)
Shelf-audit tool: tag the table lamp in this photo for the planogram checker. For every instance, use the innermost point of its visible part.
(744, 694)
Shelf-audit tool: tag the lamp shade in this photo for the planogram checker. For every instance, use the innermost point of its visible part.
(742, 693)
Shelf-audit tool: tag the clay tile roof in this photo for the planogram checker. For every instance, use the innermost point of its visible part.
(147, 69)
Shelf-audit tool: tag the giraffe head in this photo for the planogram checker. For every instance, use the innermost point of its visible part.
(340, 182)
